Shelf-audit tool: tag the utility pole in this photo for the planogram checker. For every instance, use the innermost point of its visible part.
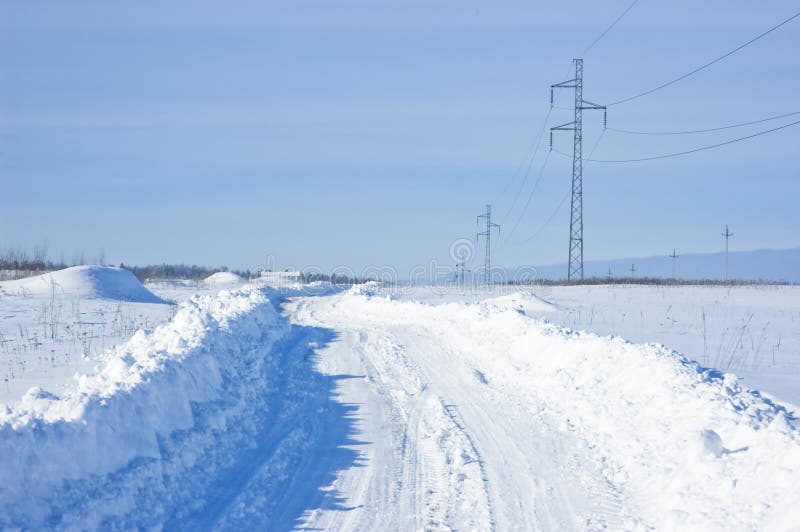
(727, 234)
(488, 234)
(633, 270)
(674, 256)
(575, 263)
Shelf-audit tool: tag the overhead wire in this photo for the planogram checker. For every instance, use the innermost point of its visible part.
(563, 200)
(530, 195)
(650, 91)
(609, 28)
(686, 152)
(706, 65)
(521, 164)
(530, 163)
(707, 130)
(541, 134)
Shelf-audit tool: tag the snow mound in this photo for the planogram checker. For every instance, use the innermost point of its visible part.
(103, 282)
(140, 439)
(222, 279)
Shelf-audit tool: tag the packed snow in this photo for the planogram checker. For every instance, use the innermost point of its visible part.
(277, 405)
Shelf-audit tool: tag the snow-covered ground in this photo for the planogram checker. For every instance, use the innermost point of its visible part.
(277, 407)
(55, 325)
(752, 331)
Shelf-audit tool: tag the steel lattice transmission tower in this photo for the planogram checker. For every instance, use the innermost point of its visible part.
(488, 234)
(575, 264)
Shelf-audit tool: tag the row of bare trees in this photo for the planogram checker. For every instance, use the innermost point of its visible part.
(193, 272)
(18, 263)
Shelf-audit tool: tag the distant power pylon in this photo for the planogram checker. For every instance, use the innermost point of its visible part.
(633, 270)
(609, 274)
(461, 271)
(488, 235)
(575, 264)
(727, 234)
(674, 256)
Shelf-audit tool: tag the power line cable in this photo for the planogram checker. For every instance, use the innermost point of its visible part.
(521, 164)
(530, 162)
(703, 148)
(538, 143)
(599, 37)
(550, 219)
(689, 132)
(703, 67)
(530, 195)
(563, 200)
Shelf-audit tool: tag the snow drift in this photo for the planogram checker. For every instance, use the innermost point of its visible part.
(222, 279)
(102, 282)
(150, 428)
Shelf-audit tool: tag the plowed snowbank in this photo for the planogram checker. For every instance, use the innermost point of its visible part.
(144, 435)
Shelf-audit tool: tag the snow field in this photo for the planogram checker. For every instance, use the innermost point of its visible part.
(56, 325)
(753, 331)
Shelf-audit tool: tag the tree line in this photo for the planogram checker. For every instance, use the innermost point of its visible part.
(18, 263)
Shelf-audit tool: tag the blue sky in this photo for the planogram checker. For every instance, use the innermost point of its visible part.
(363, 132)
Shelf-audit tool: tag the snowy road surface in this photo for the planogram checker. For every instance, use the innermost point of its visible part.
(482, 418)
(351, 411)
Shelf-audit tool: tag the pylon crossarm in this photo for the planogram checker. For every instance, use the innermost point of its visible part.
(564, 84)
(586, 104)
(563, 127)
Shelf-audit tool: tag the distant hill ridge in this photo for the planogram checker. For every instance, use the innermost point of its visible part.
(763, 264)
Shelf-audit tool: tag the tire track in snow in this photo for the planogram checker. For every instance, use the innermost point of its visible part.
(585, 432)
(580, 490)
(431, 486)
(437, 479)
(530, 489)
(452, 413)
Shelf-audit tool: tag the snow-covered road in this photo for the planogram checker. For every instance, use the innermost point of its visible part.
(447, 451)
(354, 410)
(479, 417)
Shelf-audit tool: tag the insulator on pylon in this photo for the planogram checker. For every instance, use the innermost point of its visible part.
(551, 140)
(605, 118)
(551, 96)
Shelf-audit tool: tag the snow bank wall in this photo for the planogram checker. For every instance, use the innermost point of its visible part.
(164, 413)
